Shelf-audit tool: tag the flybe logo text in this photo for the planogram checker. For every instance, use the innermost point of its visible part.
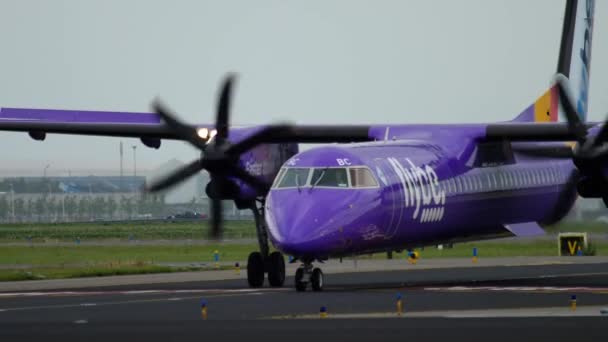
(421, 190)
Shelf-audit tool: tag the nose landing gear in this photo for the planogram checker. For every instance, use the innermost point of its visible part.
(307, 274)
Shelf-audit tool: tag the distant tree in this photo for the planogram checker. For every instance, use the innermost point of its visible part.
(19, 208)
(99, 207)
(83, 208)
(4, 208)
(110, 207)
(126, 206)
(39, 207)
(29, 209)
(71, 207)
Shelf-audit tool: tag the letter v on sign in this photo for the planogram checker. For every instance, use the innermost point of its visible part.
(572, 247)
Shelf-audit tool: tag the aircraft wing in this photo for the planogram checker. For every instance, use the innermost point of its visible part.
(151, 129)
(120, 124)
(532, 131)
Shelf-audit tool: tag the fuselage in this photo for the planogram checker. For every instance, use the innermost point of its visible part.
(348, 199)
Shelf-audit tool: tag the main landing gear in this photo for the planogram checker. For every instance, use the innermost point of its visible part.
(306, 274)
(260, 263)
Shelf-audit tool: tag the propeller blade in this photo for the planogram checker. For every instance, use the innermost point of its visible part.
(216, 219)
(601, 136)
(572, 117)
(564, 152)
(178, 176)
(184, 131)
(223, 109)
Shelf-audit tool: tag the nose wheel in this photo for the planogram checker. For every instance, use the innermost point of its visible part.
(306, 274)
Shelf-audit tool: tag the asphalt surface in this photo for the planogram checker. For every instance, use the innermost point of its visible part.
(171, 311)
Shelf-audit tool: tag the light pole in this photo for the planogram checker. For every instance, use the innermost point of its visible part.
(12, 203)
(134, 161)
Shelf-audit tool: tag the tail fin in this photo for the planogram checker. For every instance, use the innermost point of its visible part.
(574, 62)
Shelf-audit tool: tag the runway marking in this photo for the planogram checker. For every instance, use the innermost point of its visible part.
(602, 290)
(562, 311)
(135, 301)
(138, 292)
(81, 321)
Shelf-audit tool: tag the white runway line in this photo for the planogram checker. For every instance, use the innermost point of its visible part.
(562, 311)
(138, 292)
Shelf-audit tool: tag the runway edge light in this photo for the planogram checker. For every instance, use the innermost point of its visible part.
(474, 255)
(323, 312)
(203, 308)
(573, 303)
(399, 304)
(216, 258)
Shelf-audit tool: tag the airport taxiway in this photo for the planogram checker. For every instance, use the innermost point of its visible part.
(469, 301)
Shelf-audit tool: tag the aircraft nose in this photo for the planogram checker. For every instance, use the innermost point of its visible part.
(300, 226)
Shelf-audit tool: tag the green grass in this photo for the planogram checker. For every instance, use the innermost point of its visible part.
(490, 249)
(97, 271)
(93, 255)
(49, 261)
(140, 230)
(589, 227)
(164, 230)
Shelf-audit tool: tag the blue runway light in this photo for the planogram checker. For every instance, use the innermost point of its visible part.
(573, 303)
(399, 304)
(323, 312)
(474, 251)
(204, 309)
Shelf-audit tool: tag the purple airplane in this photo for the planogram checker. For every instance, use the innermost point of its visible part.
(379, 188)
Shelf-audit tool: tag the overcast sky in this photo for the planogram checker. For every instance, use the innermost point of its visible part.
(321, 61)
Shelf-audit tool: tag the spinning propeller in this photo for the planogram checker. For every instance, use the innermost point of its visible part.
(218, 156)
(588, 155)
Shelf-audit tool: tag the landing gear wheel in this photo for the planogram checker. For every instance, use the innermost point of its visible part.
(300, 283)
(316, 279)
(276, 269)
(255, 269)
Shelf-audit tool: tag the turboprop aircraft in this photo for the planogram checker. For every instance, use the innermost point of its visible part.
(379, 187)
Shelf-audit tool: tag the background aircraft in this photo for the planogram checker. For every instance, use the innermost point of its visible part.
(384, 187)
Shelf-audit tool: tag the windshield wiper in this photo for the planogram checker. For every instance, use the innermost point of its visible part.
(319, 179)
(298, 182)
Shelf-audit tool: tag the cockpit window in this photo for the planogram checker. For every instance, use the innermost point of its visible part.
(277, 179)
(294, 177)
(362, 178)
(330, 177)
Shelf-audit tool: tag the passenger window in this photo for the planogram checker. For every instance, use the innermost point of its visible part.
(331, 177)
(294, 177)
(361, 178)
